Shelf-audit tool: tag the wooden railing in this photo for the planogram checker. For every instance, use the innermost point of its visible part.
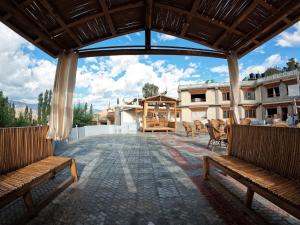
(22, 146)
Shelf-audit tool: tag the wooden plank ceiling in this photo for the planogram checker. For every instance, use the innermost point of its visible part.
(224, 25)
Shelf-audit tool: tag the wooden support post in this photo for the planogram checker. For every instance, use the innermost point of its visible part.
(234, 76)
(27, 197)
(205, 168)
(74, 171)
(249, 197)
(147, 39)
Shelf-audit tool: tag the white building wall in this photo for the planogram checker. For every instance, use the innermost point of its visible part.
(186, 115)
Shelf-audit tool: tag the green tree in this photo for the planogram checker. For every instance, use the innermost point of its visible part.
(7, 115)
(40, 106)
(81, 117)
(272, 70)
(85, 108)
(91, 109)
(45, 107)
(150, 90)
(292, 64)
(26, 113)
(49, 103)
(30, 116)
(21, 121)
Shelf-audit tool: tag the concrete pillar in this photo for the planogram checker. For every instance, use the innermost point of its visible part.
(234, 76)
(217, 102)
(117, 115)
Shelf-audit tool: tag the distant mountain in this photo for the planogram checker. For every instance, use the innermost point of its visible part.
(19, 104)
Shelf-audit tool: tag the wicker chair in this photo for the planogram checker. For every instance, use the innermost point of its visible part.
(216, 133)
(298, 125)
(280, 124)
(245, 121)
(188, 129)
(200, 128)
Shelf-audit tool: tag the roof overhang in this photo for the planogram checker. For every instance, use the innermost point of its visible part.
(235, 25)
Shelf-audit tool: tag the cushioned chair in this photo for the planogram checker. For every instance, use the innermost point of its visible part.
(280, 124)
(245, 121)
(200, 128)
(216, 133)
(188, 129)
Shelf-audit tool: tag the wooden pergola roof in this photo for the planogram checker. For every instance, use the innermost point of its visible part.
(223, 25)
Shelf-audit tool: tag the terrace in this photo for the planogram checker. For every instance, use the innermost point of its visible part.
(144, 178)
(148, 178)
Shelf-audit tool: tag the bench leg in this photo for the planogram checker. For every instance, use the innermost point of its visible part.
(27, 197)
(74, 171)
(205, 168)
(249, 197)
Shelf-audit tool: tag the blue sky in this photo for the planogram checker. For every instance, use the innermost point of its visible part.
(26, 70)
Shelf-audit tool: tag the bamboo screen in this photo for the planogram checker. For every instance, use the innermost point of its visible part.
(22, 146)
(276, 149)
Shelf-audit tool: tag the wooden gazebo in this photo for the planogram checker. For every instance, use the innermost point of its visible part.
(159, 114)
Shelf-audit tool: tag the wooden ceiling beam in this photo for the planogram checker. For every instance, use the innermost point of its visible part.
(281, 13)
(240, 19)
(59, 19)
(108, 17)
(14, 9)
(148, 23)
(271, 8)
(274, 34)
(97, 15)
(207, 19)
(189, 19)
(38, 29)
(95, 53)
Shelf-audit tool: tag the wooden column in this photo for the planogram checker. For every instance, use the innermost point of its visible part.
(234, 76)
(175, 111)
(145, 115)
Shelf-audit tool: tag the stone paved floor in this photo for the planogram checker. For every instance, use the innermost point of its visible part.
(144, 179)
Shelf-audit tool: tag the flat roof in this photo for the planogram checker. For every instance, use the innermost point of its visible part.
(264, 80)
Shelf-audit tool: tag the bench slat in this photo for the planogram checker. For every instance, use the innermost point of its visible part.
(286, 189)
(31, 175)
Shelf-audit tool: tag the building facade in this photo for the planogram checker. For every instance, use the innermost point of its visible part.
(268, 97)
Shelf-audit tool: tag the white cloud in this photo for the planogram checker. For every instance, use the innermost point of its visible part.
(165, 37)
(260, 49)
(186, 57)
(220, 69)
(90, 60)
(271, 61)
(290, 39)
(22, 77)
(128, 79)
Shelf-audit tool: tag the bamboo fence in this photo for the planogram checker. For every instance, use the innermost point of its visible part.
(276, 149)
(22, 146)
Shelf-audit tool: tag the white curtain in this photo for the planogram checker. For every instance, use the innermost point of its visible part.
(234, 86)
(61, 115)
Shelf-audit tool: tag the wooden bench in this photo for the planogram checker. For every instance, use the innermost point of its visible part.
(27, 161)
(267, 161)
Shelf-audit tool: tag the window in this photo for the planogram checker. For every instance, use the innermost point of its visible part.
(250, 113)
(198, 98)
(271, 112)
(225, 114)
(249, 95)
(273, 92)
(226, 96)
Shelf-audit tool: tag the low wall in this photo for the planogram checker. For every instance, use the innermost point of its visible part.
(87, 131)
